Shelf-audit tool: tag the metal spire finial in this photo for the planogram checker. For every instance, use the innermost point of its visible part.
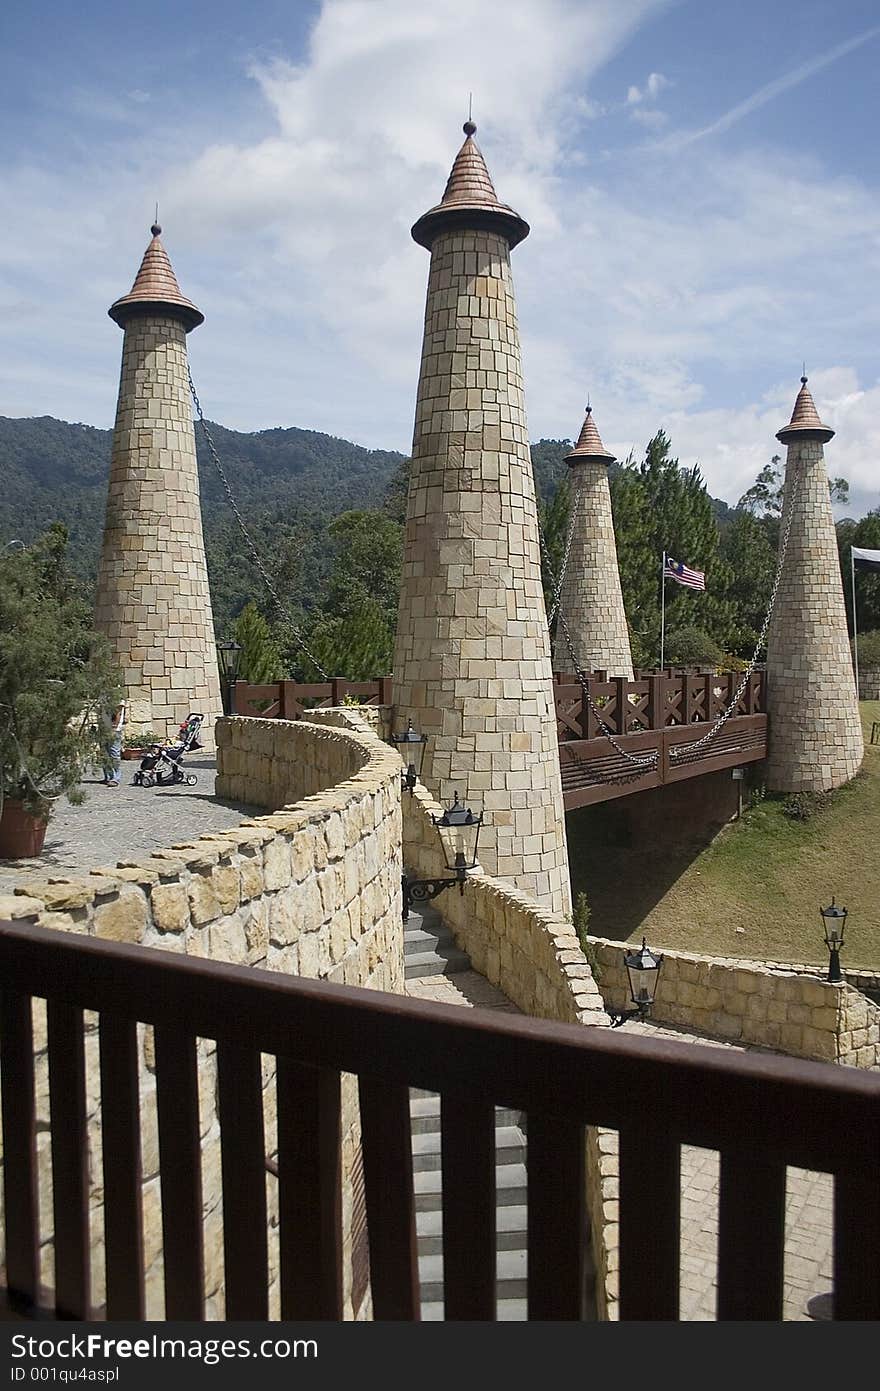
(156, 229)
(469, 128)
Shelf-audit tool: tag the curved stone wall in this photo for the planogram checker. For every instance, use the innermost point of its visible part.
(312, 888)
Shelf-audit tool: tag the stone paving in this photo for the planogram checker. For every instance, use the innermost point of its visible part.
(809, 1196)
(115, 823)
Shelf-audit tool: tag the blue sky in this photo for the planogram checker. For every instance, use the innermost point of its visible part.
(702, 180)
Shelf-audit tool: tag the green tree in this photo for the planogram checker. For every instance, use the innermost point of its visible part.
(749, 559)
(865, 534)
(56, 674)
(691, 646)
(259, 660)
(764, 498)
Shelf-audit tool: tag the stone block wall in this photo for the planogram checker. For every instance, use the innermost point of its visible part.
(869, 683)
(814, 732)
(472, 656)
(312, 889)
(591, 601)
(748, 1002)
(153, 601)
(527, 951)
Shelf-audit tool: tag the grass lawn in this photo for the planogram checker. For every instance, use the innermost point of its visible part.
(755, 890)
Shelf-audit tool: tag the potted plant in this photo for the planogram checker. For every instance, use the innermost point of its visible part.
(55, 674)
(138, 744)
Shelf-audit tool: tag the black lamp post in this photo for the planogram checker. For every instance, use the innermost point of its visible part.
(834, 923)
(411, 746)
(459, 831)
(228, 656)
(643, 968)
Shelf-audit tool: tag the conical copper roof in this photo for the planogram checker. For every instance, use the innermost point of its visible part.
(470, 201)
(589, 445)
(155, 290)
(805, 422)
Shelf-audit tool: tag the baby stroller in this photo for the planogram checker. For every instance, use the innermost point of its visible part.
(161, 767)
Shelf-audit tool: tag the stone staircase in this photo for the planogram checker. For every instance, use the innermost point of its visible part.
(437, 969)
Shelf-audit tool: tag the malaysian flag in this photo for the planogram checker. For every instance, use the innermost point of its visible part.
(694, 579)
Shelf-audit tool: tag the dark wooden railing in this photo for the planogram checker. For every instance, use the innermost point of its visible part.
(761, 1112)
(654, 701)
(660, 713)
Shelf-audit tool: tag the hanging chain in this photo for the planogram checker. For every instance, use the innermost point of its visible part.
(685, 750)
(280, 606)
(557, 586)
(641, 762)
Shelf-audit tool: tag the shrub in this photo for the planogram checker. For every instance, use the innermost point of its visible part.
(692, 646)
(869, 648)
(801, 806)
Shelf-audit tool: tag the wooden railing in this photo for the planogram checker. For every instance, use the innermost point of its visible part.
(290, 700)
(762, 1113)
(654, 701)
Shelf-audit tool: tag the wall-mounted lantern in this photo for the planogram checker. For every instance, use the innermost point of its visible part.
(459, 829)
(643, 968)
(411, 747)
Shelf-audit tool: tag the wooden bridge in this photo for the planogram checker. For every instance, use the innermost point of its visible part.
(629, 736)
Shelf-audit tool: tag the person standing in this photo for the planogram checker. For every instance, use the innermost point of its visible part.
(114, 723)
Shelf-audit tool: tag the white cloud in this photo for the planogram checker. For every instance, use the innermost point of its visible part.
(771, 90)
(653, 87)
(672, 290)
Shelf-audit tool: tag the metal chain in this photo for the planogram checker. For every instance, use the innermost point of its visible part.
(280, 606)
(687, 750)
(572, 514)
(640, 761)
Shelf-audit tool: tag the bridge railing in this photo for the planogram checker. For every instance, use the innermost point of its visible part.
(653, 701)
(761, 1113)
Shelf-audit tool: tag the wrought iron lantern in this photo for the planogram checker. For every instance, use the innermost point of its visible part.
(411, 747)
(834, 923)
(643, 968)
(228, 656)
(459, 829)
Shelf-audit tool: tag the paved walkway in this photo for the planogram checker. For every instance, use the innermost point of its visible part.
(809, 1196)
(115, 823)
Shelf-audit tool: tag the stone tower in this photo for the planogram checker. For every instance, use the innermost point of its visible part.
(152, 597)
(814, 728)
(591, 602)
(472, 659)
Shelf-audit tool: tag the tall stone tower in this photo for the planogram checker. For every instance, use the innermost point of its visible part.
(591, 602)
(472, 660)
(815, 733)
(152, 598)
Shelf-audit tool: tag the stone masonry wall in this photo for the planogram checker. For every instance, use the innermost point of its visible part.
(153, 601)
(869, 683)
(748, 1002)
(313, 889)
(472, 660)
(591, 601)
(815, 735)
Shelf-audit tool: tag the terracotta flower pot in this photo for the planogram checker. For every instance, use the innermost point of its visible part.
(134, 752)
(21, 833)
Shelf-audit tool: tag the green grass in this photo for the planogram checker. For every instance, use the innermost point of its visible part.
(755, 890)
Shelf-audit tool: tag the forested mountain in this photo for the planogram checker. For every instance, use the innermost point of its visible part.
(288, 483)
(326, 516)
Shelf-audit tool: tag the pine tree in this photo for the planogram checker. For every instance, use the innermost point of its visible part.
(260, 659)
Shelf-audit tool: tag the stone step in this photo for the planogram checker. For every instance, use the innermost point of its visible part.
(425, 1115)
(510, 1148)
(510, 1187)
(449, 961)
(508, 1311)
(510, 1229)
(510, 1276)
(419, 939)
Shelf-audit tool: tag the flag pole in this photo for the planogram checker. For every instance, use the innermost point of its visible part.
(852, 567)
(662, 610)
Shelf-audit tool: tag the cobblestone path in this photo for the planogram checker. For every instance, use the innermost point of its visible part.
(116, 823)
